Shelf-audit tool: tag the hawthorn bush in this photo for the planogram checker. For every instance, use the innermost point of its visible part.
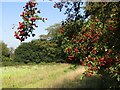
(93, 40)
(30, 15)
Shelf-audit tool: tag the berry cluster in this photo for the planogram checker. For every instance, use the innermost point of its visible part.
(89, 46)
(30, 15)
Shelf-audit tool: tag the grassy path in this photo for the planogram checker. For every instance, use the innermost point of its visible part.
(37, 76)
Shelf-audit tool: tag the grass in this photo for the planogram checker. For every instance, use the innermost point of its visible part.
(50, 75)
(35, 76)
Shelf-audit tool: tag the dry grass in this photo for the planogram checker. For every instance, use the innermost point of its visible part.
(71, 76)
(49, 76)
(36, 76)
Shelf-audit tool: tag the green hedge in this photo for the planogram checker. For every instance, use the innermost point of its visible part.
(38, 51)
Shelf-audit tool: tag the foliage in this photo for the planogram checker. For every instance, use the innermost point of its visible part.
(30, 15)
(5, 52)
(53, 31)
(4, 48)
(94, 40)
(38, 51)
(91, 39)
(72, 9)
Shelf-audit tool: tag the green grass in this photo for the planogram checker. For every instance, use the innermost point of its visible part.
(50, 75)
(34, 76)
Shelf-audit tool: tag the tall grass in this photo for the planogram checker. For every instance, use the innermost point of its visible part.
(51, 75)
(34, 76)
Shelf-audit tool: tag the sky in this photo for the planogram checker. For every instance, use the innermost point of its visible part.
(11, 15)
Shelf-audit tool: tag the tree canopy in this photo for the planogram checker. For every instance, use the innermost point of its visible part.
(91, 39)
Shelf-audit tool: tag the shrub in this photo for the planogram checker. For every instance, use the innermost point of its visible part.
(38, 51)
(94, 42)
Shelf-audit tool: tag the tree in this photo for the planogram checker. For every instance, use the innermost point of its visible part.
(44, 37)
(92, 39)
(38, 51)
(53, 31)
(5, 52)
(93, 42)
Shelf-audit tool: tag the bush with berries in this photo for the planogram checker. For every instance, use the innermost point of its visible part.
(30, 15)
(93, 40)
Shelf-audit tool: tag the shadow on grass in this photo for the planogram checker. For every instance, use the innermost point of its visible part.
(94, 82)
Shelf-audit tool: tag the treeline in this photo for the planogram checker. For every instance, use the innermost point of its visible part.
(45, 49)
(37, 51)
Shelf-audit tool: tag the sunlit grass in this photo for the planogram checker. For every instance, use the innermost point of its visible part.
(51, 75)
(35, 76)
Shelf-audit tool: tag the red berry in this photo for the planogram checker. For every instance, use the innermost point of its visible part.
(17, 37)
(32, 4)
(26, 5)
(94, 52)
(92, 59)
(71, 56)
(33, 18)
(68, 49)
(21, 25)
(102, 59)
(21, 32)
(89, 64)
(22, 14)
(76, 50)
(89, 75)
(26, 19)
(102, 64)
